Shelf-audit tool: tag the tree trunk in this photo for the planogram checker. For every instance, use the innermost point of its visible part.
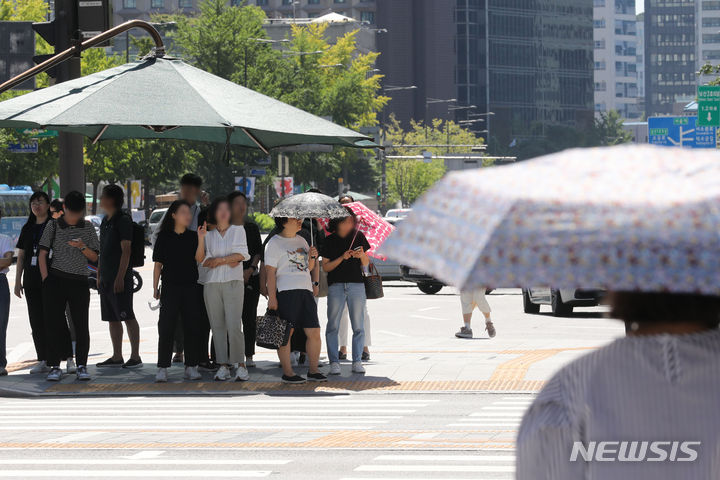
(95, 185)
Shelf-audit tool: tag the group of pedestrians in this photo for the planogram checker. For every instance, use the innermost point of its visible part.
(210, 268)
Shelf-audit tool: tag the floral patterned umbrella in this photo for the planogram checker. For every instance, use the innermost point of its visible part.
(372, 225)
(624, 218)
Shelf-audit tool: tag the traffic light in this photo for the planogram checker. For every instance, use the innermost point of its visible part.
(379, 194)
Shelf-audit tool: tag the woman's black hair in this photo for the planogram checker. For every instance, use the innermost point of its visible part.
(280, 222)
(57, 205)
(212, 210)
(342, 197)
(168, 222)
(32, 220)
(114, 193)
(334, 222)
(646, 308)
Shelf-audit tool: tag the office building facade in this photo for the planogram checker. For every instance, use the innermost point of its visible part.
(707, 35)
(670, 55)
(615, 54)
(360, 10)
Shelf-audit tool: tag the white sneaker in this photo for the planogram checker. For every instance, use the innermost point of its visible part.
(335, 368)
(161, 375)
(192, 373)
(223, 374)
(71, 368)
(249, 362)
(41, 367)
(358, 367)
(241, 374)
(294, 356)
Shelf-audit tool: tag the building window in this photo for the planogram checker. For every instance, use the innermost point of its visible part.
(157, 3)
(599, 44)
(129, 4)
(313, 2)
(339, 1)
(599, 23)
(598, 3)
(185, 3)
(711, 22)
(287, 2)
(714, 5)
(367, 17)
(261, 3)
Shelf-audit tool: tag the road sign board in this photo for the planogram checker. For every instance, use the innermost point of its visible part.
(258, 172)
(709, 106)
(37, 132)
(17, 47)
(248, 189)
(31, 147)
(680, 132)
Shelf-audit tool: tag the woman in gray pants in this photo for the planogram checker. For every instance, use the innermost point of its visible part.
(221, 251)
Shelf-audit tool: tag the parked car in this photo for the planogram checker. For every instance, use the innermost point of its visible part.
(388, 269)
(154, 221)
(96, 221)
(396, 213)
(562, 301)
(425, 282)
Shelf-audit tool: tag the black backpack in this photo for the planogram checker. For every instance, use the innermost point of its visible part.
(137, 248)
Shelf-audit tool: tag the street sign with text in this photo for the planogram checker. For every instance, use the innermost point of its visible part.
(709, 106)
(31, 147)
(680, 132)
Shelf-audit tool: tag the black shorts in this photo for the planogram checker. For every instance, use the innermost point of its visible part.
(299, 308)
(116, 307)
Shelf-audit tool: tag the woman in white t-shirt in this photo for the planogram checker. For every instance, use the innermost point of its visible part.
(288, 263)
(220, 251)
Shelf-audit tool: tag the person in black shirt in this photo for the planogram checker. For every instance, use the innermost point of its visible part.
(239, 207)
(28, 280)
(174, 257)
(115, 282)
(344, 257)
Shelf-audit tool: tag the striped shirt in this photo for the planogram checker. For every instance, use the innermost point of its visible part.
(639, 388)
(68, 261)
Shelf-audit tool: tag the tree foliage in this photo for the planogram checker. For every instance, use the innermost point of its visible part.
(409, 178)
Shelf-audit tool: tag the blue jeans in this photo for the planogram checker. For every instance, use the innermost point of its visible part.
(4, 316)
(338, 295)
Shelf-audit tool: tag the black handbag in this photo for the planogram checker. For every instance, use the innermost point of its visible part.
(272, 332)
(373, 284)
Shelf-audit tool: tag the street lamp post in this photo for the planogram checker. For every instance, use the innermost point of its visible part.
(245, 54)
(429, 101)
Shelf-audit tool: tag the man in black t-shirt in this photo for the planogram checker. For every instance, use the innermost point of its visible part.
(115, 282)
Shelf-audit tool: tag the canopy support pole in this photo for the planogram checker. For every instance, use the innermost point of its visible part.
(254, 139)
(97, 137)
(76, 49)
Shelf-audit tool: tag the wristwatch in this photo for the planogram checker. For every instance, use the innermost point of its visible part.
(316, 284)
(83, 249)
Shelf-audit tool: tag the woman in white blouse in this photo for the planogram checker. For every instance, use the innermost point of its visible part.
(221, 251)
(644, 407)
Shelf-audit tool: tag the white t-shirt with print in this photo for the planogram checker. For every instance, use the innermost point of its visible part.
(6, 245)
(290, 257)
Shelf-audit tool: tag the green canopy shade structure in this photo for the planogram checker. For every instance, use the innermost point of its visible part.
(159, 98)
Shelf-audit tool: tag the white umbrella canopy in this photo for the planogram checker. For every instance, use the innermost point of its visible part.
(635, 218)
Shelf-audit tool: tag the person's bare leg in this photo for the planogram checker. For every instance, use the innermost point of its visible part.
(133, 330)
(116, 335)
(467, 319)
(313, 345)
(487, 316)
(284, 356)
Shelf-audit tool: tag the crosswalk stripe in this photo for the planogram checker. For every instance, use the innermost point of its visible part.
(204, 418)
(198, 428)
(446, 458)
(226, 421)
(141, 461)
(517, 409)
(134, 473)
(75, 411)
(437, 468)
(496, 415)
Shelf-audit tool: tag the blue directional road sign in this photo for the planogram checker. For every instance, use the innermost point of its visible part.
(258, 172)
(31, 147)
(680, 132)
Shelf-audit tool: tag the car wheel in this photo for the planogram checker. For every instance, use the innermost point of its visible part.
(430, 288)
(137, 281)
(528, 305)
(559, 309)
